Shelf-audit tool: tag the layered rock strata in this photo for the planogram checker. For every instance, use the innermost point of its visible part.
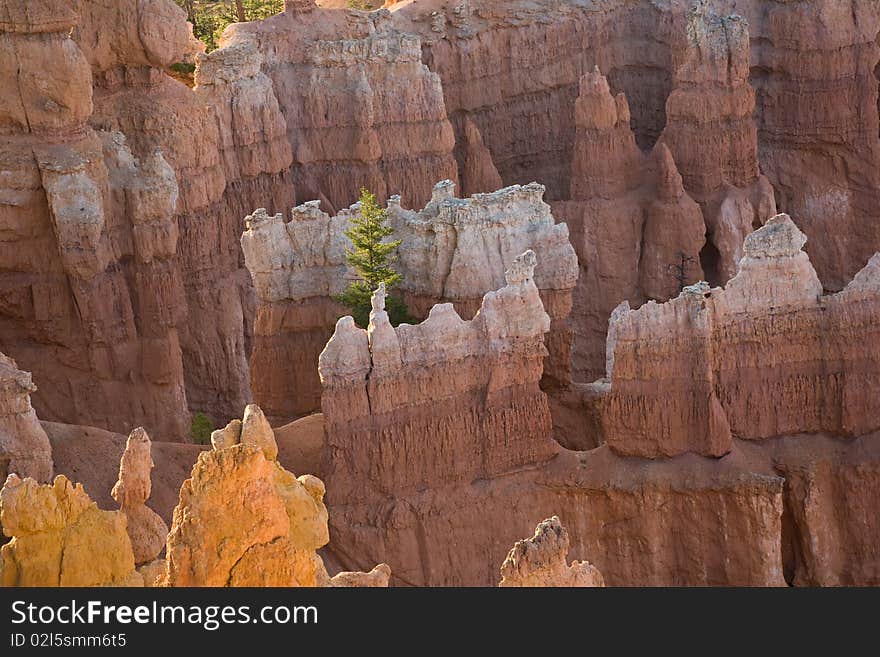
(86, 294)
(471, 386)
(718, 460)
(24, 445)
(711, 95)
(767, 355)
(361, 107)
(453, 250)
(637, 232)
(814, 67)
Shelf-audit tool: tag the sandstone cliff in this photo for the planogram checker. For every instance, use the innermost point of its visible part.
(640, 508)
(24, 446)
(767, 355)
(454, 250)
(711, 132)
(627, 208)
(444, 401)
(87, 300)
(361, 107)
(814, 68)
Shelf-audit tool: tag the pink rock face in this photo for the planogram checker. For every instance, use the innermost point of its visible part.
(768, 355)
(470, 385)
(24, 446)
(815, 75)
(625, 208)
(361, 107)
(142, 206)
(452, 250)
(79, 202)
(711, 95)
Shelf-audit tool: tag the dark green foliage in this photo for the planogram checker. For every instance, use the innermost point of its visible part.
(200, 430)
(211, 17)
(372, 258)
(362, 5)
(357, 299)
(183, 68)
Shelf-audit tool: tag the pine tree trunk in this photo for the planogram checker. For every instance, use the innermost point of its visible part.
(239, 9)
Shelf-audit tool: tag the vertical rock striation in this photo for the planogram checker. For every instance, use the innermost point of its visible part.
(361, 108)
(24, 445)
(453, 251)
(768, 355)
(471, 386)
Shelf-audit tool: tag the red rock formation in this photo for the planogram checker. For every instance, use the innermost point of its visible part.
(477, 171)
(765, 356)
(712, 135)
(513, 68)
(225, 155)
(627, 514)
(471, 386)
(24, 446)
(814, 69)
(87, 292)
(637, 233)
(453, 251)
(361, 108)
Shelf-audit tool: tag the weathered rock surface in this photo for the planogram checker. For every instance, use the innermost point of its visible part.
(361, 107)
(642, 509)
(139, 293)
(145, 527)
(624, 208)
(445, 401)
(540, 561)
(454, 250)
(119, 216)
(61, 538)
(814, 67)
(376, 578)
(243, 520)
(96, 328)
(767, 355)
(24, 446)
(711, 132)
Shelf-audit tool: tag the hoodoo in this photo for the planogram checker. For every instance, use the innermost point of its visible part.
(614, 284)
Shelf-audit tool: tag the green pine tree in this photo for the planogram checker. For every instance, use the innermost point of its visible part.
(372, 259)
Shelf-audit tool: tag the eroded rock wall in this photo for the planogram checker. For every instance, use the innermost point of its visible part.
(454, 250)
(767, 355)
(361, 108)
(447, 400)
(24, 445)
(637, 232)
(88, 288)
